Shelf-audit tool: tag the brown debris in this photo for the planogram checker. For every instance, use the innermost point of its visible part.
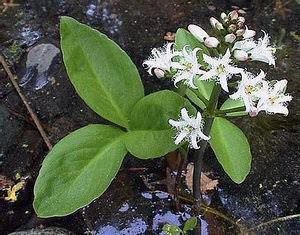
(170, 37)
(207, 184)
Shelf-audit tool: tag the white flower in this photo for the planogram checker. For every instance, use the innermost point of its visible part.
(220, 69)
(274, 100)
(240, 55)
(248, 33)
(263, 51)
(260, 50)
(250, 90)
(244, 45)
(189, 128)
(202, 36)
(161, 58)
(187, 67)
(230, 38)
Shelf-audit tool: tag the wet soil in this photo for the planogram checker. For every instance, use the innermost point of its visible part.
(130, 206)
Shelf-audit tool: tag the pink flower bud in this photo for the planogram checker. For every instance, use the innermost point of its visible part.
(230, 38)
(241, 11)
(241, 19)
(233, 15)
(240, 55)
(159, 73)
(240, 32)
(232, 28)
(211, 42)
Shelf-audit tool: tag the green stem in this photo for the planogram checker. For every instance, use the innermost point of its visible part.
(198, 155)
(233, 110)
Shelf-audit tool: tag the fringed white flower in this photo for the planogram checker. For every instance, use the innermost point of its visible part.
(260, 50)
(263, 51)
(187, 67)
(274, 100)
(189, 129)
(161, 59)
(250, 89)
(220, 69)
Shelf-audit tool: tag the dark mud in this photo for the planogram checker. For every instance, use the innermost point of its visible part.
(272, 190)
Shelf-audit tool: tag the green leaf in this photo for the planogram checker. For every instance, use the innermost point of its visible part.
(101, 72)
(231, 148)
(190, 224)
(150, 134)
(205, 87)
(78, 169)
(230, 104)
(194, 98)
(171, 229)
(184, 37)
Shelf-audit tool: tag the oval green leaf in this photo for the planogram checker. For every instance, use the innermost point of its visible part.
(150, 134)
(101, 72)
(231, 148)
(78, 169)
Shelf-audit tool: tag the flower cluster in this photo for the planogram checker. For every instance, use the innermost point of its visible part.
(230, 43)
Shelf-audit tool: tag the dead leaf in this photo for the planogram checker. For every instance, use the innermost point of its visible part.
(207, 184)
(12, 192)
(170, 36)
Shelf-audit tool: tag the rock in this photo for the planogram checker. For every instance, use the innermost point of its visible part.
(38, 65)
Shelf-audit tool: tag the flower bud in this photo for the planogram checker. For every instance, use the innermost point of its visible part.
(249, 33)
(240, 55)
(230, 38)
(159, 73)
(197, 32)
(240, 25)
(241, 19)
(224, 17)
(211, 42)
(240, 32)
(241, 11)
(233, 15)
(232, 28)
(215, 23)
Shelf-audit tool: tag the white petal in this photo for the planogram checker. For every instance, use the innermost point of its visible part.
(278, 109)
(180, 137)
(208, 75)
(177, 123)
(248, 33)
(193, 140)
(184, 114)
(240, 55)
(223, 82)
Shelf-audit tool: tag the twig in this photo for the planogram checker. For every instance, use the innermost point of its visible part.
(274, 221)
(24, 100)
